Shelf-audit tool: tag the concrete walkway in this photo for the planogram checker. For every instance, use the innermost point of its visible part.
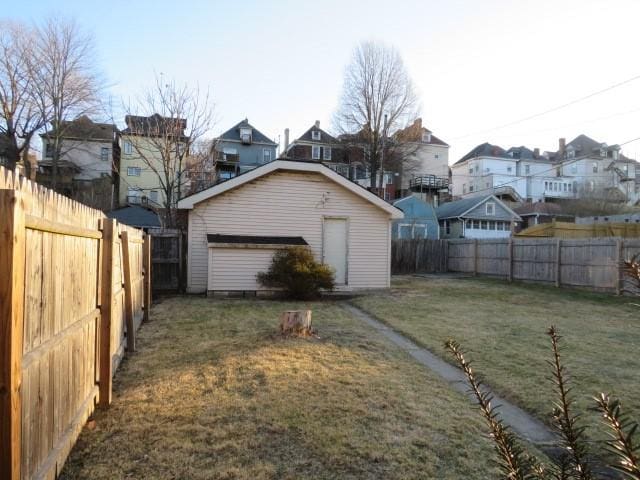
(520, 421)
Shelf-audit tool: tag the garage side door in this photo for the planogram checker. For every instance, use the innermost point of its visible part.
(334, 247)
(236, 268)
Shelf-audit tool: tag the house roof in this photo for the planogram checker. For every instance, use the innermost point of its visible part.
(233, 134)
(539, 208)
(413, 133)
(136, 216)
(459, 207)
(255, 239)
(485, 150)
(289, 165)
(153, 125)
(324, 136)
(83, 128)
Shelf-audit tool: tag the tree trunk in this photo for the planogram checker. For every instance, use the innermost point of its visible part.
(297, 323)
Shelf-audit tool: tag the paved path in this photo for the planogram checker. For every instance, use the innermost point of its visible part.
(520, 421)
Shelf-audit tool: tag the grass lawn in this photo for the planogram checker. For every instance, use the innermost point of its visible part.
(503, 326)
(214, 392)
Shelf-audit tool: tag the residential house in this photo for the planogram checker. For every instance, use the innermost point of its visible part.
(535, 213)
(425, 163)
(89, 155)
(419, 220)
(579, 169)
(7, 152)
(145, 143)
(235, 227)
(240, 149)
(483, 216)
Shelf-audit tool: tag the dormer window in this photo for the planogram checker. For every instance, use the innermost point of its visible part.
(603, 152)
(315, 135)
(490, 208)
(245, 135)
(426, 137)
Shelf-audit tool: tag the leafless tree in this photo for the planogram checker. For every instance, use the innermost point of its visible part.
(20, 118)
(66, 82)
(165, 123)
(376, 86)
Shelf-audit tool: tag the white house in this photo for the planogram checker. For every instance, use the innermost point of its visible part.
(236, 226)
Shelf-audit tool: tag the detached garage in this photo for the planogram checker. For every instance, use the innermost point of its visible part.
(236, 226)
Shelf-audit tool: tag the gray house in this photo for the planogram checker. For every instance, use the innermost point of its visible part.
(240, 149)
(476, 217)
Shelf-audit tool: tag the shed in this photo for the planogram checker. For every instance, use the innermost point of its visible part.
(419, 220)
(236, 226)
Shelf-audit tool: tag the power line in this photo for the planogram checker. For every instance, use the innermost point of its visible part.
(554, 109)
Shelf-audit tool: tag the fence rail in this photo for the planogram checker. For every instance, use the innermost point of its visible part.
(74, 287)
(595, 263)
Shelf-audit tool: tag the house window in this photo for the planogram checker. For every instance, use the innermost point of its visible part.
(133, 195)
(477, 168)
(315, 152)
(436, 156)
(447, 227)
(49, 150)
(490, 208)
(492, 225)
(104, 154)
(471, 170)
(266, 155)
(153, 196)
(470, 188)
(546, 185)
(476, 224)
(245, 135)
(464, 188)
(509, 169)
(326, 153)
(527, 169)
(315, 135)
(133, 171)
(574, 168)
(595, 167)
(426, 137)
(128, 147)
(483, 224)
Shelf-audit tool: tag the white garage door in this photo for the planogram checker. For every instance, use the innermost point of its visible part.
(236, 268)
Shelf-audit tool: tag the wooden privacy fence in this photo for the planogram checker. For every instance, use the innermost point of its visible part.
(595, 263)
(74, 287)
(418, 256)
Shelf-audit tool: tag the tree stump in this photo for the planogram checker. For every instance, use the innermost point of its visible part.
(296, 322)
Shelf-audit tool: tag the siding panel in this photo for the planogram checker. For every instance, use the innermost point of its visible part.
(293, 204)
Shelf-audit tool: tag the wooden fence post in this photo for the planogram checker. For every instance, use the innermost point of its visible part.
(128, 301)
(146, 266)
(106, 314)
(12, 258)
(446, 256)
(510, 259)
(558, 261)
(475, 257)
(619, 269)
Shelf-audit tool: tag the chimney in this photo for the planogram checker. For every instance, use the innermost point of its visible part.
(418, 123)
(536, 152)
(562, 143)
(286, 140)
(317, 124)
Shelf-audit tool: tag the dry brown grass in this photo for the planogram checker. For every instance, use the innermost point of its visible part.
(503, 327)
(214, 393)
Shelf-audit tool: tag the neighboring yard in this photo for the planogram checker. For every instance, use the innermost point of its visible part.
(503, 326)
(214, 392)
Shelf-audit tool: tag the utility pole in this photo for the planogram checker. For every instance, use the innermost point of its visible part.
(384, 134)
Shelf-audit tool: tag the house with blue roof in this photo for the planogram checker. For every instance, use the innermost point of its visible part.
(419, 220)
(240, 149)
(484, 216)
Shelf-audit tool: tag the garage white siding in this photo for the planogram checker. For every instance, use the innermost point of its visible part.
(289, 203)
(236, 268)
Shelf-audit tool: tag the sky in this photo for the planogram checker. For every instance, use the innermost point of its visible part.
(477, 65)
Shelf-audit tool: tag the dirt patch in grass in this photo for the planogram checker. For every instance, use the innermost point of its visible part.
(213, 393)
(503, 327)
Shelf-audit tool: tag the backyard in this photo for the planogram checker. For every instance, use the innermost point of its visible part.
(502, 326)
(213, 391)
